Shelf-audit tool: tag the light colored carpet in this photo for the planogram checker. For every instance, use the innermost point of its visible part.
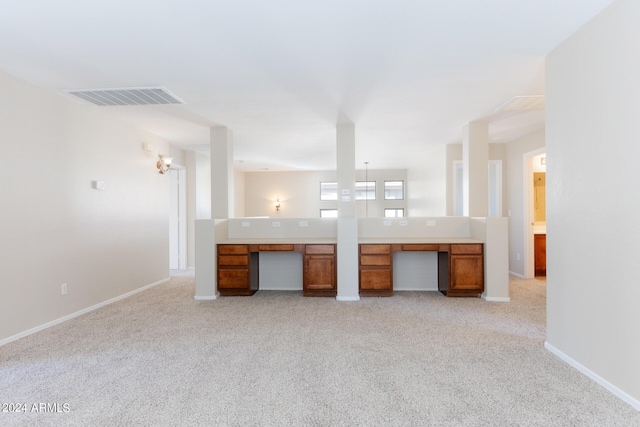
(277, 358)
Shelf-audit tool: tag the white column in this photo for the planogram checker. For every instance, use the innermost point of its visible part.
(206, 287)
(475, 166)
(347, 222)
(222, 185)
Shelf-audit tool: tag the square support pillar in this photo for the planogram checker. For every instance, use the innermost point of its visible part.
(475, 169)
(222, 174)
(347, 223)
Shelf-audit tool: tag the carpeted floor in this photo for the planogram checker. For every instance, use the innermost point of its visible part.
(277, 358)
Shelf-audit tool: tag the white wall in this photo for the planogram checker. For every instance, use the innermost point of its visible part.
(55, 228)
(299, 193)
(514, 196)
(593, 256)
(427, 185)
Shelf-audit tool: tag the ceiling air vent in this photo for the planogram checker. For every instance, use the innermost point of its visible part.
(128, 96)
(523, 103)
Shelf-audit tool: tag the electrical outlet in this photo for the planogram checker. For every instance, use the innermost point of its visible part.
(63, 289)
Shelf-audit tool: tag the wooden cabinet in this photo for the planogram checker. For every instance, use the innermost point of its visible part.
(540, 254)
(235, 264)
(238, 268)
(461, 271)
(376, 270)
(319, 275)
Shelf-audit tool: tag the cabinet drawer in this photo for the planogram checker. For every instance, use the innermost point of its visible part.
(420, 247)
(466, 249)
(375, 249)
(233, 249)
(233, 260)
(375, 260)
(275, 248)
(233, 279)
(320, 249)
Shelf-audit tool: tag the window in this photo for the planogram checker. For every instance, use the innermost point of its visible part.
(365, 190)
(394, 213)
(394, 190)
(328, 213)
(328, 191)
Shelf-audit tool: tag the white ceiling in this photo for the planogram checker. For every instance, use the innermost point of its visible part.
(281, 73)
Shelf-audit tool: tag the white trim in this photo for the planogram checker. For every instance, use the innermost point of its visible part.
(348, 298)
(454, 184)
(597, 378)
(78, 313)
(496, 299)
(498, 187)
(513, 273)
(206, 297)
(178, 247)
(527, 168)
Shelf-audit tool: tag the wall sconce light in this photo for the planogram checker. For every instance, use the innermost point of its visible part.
(277, 204)
(163, 164)
(543, 160)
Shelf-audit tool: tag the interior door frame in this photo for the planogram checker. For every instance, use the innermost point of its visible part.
(178, 203)
(528, 252)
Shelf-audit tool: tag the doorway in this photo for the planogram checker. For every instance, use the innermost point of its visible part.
(177, 218)
(535, 221)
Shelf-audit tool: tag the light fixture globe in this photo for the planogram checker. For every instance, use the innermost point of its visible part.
(163, 164)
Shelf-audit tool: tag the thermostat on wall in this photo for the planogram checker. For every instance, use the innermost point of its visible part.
(98, 185)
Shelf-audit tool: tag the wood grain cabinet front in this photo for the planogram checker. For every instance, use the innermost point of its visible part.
(540, 254)
(235, 267)
(319, 271)
(375, 270)
(461, 274)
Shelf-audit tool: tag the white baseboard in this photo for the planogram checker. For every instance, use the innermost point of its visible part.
(635, 403)
(348, 298)
(511, 273)
(206, 297)
(78, 313)
(496, 299)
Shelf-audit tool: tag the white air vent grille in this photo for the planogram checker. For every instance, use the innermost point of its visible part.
(128, 96)
(523, 103)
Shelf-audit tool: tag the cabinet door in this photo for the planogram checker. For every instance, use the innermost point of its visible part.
(467, 273)
(319, 274)
(540, 254)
